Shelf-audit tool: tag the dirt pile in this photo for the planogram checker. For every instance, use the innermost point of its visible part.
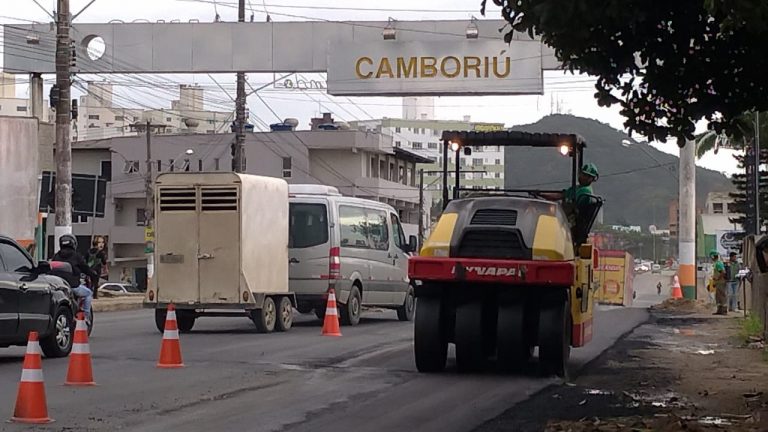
(683, 305)
(659, 423)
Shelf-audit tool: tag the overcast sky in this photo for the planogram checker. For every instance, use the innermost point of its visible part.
(568, 93)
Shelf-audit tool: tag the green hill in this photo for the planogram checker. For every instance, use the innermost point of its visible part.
(637, 181)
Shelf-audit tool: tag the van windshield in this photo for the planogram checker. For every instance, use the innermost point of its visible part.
(308, 225)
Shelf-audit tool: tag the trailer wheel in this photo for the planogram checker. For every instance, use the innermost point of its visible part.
(160, 315)
(284, 315)
(266, 317)
(185, 320)
(468, 337)
(513, 349)
(430, 343)
(554, 335)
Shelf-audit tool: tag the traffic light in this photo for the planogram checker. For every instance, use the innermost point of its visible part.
(74, 109)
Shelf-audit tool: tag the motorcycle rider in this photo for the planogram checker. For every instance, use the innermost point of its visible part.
(658, 288)
(68, 253)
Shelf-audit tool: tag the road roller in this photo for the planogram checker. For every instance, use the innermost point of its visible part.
(506, 271)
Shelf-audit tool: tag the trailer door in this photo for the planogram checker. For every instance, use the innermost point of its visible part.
(176, 245)
(219, 244)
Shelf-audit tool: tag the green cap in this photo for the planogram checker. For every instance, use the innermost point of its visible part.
(713, 253)
(590, 169)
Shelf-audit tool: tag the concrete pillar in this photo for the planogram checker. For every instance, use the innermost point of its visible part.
(36, 96)
(687, 229)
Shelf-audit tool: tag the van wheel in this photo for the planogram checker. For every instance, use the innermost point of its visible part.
(266, 317)
(406, 311)
(284, 315)
(350, 312)
(160, 315)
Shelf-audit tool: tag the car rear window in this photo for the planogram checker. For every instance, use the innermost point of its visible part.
(308, 225)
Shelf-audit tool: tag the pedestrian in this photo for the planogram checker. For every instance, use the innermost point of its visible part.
(97, 260)
(658, 288)
(732, 269)
(719, 281)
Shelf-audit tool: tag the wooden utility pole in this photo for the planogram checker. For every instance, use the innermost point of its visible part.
(238, 150)
(63, 156)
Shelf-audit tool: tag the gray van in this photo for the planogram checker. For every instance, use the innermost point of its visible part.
(354, 245)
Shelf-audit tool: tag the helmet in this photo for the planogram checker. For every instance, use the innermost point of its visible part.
(68, 240)
(713, 253)
(590, 169)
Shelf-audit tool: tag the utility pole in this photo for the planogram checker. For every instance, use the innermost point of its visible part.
(238, 150)
(421, 207)
(63, 154)
(757, 173)
(687, 230)
(149, 210)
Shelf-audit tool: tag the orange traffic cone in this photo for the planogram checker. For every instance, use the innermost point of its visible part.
(677, 292)
(170, 350)
(331, 322)
(80, 372)
(30, 401)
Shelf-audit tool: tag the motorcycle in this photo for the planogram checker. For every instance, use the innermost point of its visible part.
(60, 266)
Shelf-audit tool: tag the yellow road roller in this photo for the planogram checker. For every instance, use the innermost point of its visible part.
(506, 271)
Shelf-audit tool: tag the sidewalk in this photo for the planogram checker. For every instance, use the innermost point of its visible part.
(691, 371)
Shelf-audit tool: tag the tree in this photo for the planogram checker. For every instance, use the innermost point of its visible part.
(708, 141)
(667, 64)
(740, 196)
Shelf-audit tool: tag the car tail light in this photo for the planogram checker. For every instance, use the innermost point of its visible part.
(334, 263)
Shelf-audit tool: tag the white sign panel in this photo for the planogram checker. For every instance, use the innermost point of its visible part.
(459, 67)
(727, 241)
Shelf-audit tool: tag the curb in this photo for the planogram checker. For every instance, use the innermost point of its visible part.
(111, 305)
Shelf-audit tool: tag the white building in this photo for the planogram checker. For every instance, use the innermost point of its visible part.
(99, 117)
(13, 106)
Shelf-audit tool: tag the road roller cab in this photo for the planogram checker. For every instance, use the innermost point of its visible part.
(504, 272)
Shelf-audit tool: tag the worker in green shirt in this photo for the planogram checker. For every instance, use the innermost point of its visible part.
(732, 272)
(587, 176)
(719, 280)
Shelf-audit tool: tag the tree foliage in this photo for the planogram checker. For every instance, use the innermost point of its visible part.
(666, 63)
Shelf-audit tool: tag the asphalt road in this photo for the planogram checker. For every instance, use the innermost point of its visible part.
(237, 379)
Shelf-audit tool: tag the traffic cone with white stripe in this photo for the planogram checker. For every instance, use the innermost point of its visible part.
(80, 372)
(331, 321)
(170, 350)
(31, 406)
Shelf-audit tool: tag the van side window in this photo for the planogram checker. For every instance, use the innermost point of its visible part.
(308, 225)
(398, 235)
(378, 229)
(354, 227)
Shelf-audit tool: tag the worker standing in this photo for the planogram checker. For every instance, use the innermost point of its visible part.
(732, 272)
(719, 281)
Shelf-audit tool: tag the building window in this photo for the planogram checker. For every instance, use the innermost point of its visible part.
(397, 130)
(21, 108)
(432, 146)
(498, 175)
(119, 118)
(397, 144)
(167, 119)
(436, 132)
(211, 122)
(186, 165)
(159, 165)
(110, 124)
(93, 117)
(287, 164)
(106, 170)
(216, 164)
(170, 164)
(131, 167)
(498, 161)
(478, 149)
(477, 161)
(416, 145)
(200, 165)
(374, 168)
(717, 208)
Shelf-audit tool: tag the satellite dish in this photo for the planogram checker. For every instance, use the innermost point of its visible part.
(191, 123)
(291, 122)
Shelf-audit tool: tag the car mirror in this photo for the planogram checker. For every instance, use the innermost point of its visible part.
(413, 244)
(43, 267)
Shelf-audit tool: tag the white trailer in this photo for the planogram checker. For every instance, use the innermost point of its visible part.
(221, 248)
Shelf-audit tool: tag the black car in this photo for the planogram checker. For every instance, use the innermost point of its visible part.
(32, 300)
